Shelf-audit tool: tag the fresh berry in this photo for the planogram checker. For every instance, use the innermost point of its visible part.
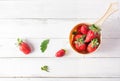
(84, 29)
(92, 33)
(93, 45)
(79, 44)
(90, 36)
(79, 30)
(60, 53)
(23, 46)
(78, 36)
(80, 47)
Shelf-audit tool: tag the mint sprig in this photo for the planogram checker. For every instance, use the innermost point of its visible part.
(45, 68)
(44, 45)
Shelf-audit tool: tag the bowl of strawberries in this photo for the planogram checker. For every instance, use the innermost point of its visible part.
(85, 38)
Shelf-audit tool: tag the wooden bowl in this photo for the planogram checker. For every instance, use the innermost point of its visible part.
(71, 39)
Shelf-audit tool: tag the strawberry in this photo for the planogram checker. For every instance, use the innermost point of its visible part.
(23, 46)
(77, 36)
(84, 29)
(78, 30)
(80, 47)
(60, 53)
(90, 36)
(79, 44)
(92, 33)
(93, 45)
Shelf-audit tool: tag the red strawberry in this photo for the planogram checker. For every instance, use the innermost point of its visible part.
(60, 53)
(24, 47)
(84, 29)
(93, 45)
(79, 30)
(78, 36)
(92, 33)
(90, 36)
(80, 47)
(79, 44)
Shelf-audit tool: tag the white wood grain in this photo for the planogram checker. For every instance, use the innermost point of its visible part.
(52, 28)
(60, 67)
(60, 79)
(54, 8)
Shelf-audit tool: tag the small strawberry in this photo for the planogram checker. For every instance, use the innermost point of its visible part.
(84, 29)
(79, 44)
(90, 36)
(60, 53)
(78, 30)
(77, 36)
(93, 45)
(23, 46)
(92, 33)
(80, 47)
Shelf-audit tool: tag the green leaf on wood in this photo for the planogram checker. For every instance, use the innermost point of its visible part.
(44, 68)
(44, 45)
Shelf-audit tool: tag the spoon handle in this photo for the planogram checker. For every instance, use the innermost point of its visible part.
(112, 8)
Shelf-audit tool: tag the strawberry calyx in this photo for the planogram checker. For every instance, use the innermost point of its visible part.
(95, 28)
(94, 43)
(19, 41)
(74, 32)
(63, 49)
(80, 41)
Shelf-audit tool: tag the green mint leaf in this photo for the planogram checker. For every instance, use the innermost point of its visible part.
(44, 68)
(44, 45)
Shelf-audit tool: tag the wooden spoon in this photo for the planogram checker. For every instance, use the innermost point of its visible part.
(112, 8)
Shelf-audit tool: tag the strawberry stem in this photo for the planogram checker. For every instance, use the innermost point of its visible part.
(80, 41)
(19, 40)
(95, 42)
(94, 28)
(64, 49)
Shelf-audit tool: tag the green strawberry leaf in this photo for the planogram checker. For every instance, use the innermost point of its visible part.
(74, 32)
(95, 42)
(94, 28)
(81, 40)
(44, 45)
(19, 40)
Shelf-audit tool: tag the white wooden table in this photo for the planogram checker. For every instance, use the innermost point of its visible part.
(36, 20)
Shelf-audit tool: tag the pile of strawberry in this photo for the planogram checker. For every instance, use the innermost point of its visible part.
(86, 38)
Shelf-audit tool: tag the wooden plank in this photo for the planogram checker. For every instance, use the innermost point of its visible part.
(52, 28)
(54, 8)
(8, 49)
(60, 79)
(60, 67)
